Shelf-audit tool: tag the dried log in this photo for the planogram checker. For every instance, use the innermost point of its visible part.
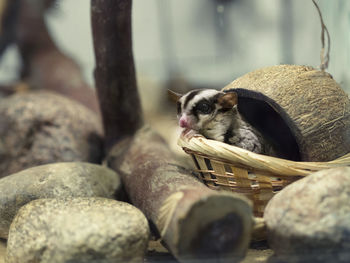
(193, 220)
(44, 65)
(9, 15)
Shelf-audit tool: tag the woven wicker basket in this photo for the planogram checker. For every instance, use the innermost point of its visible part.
(226, 167)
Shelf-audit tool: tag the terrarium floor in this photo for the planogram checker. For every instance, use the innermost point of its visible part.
(157, 252)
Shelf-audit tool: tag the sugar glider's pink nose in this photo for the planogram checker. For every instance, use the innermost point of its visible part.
(183, 122)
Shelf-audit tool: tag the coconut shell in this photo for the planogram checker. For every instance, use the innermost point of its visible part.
(303, 111)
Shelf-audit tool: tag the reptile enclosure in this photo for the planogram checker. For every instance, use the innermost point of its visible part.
(302, 111)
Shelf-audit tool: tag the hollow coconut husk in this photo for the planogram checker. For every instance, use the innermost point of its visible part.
(301, 110)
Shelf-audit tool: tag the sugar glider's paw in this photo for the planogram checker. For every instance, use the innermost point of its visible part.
(189, 133)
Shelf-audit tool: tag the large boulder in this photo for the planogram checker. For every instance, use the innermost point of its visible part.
(77, 230)
(59, 180)
(309, 220)
(42, 127)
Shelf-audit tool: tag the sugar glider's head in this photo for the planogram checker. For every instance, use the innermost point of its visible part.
(197, 108)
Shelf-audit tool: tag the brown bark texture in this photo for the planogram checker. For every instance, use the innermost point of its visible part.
(115, 72)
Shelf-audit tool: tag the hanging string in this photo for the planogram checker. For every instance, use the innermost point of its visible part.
(324, 31)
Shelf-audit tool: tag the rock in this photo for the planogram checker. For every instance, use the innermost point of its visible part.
(60, 180)
(42, 127)
(309, 221)
(77, 230)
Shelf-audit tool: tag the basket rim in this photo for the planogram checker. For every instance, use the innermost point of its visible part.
(219, 151)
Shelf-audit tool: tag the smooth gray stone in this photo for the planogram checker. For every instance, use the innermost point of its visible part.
(309, 220)
(77, 230)
(59, 180)
(43, 127)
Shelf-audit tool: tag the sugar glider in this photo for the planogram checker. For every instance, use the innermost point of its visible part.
(215, 115)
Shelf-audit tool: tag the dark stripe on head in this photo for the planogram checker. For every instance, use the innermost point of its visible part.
(178, 106)
(190, 96)
(194, 113)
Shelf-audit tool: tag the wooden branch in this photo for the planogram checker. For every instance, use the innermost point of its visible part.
(115, 73)
(44, 66)
(324, 29)
(32, 35)
(194, 221)
(8, 17)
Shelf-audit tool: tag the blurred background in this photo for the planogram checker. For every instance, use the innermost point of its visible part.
(208, 42)
(185, 44)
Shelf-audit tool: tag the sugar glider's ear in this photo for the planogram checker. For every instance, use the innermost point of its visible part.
(173, 96)
(228, 100)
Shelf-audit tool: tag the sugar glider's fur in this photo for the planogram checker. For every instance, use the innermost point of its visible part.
(215, 115)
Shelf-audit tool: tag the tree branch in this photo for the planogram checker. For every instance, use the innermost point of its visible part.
(115, 72)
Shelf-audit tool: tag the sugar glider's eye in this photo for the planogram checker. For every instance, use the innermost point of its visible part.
(203, 107)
